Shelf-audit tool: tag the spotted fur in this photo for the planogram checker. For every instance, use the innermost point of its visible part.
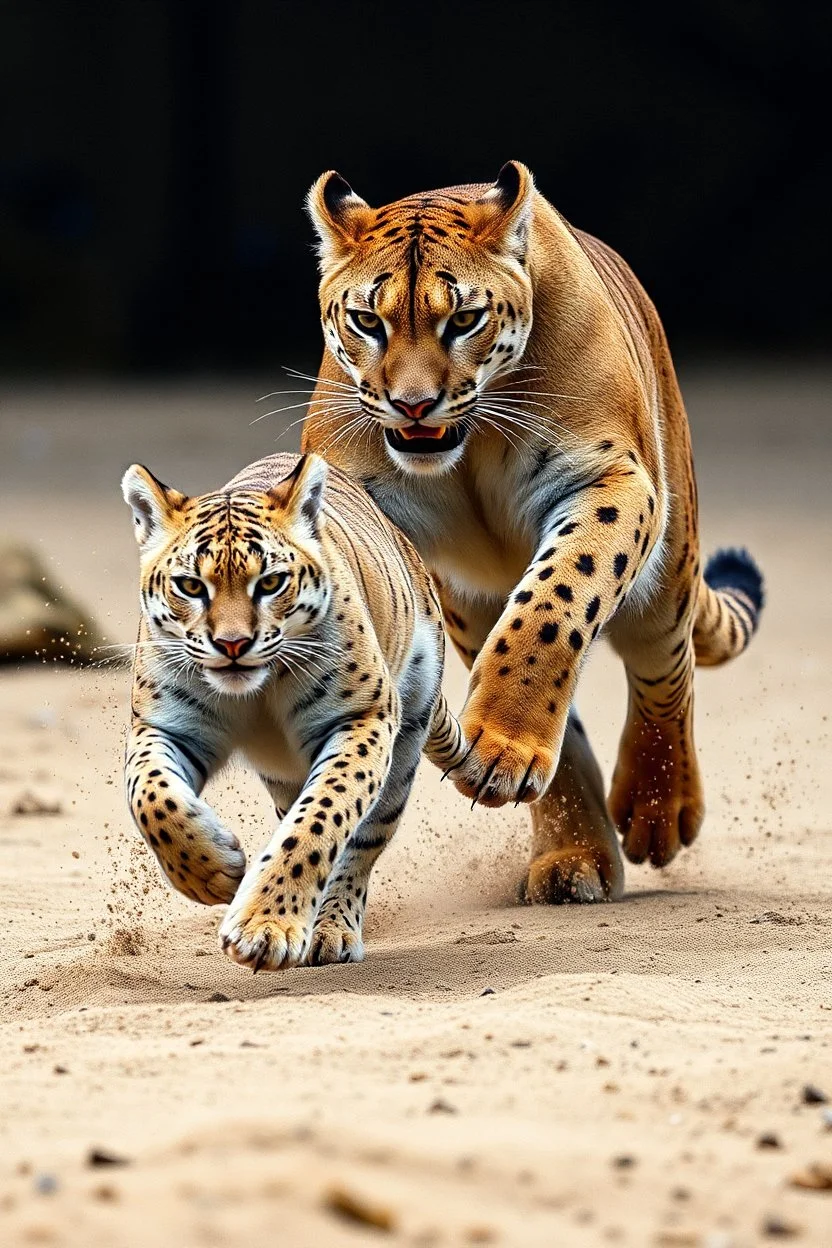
(571, 507)
(316, 650)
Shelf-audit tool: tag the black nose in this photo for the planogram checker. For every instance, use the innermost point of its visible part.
(418, 410)
(232, 647)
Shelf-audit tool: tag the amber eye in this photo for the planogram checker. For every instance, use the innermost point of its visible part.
(271, 583)
(191, 586)
(461, 322)
(368, 322)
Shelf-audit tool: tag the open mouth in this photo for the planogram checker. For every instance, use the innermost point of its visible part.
(418, 439)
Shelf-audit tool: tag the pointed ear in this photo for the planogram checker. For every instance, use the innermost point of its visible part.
(152, 503)
(301, 494)
(507, 210)
(338, 215)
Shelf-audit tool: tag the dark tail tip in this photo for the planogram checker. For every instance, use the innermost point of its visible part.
(735, 569)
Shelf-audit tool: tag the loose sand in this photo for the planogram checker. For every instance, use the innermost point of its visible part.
(491, 1073)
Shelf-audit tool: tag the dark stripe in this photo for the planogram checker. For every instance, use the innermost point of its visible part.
(393, 815)
(414, 259)
(376, 843)
(185, 751)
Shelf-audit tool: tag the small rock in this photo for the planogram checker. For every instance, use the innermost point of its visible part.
(624, 1162)
(33, 804)
(45, 1184)
(218, 996)
(487, 992)
(60, 1070)
(776, 1228)
(813, 1095)
(826, 1118)
(442, 1107)
(104, 1191)
(348, 1204)
(816, 1178)
(100, 1157)
(769, 1140)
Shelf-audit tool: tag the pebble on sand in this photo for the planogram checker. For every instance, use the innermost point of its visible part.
(355, 1208)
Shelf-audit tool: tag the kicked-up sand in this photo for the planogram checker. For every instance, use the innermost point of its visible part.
(638, 1074)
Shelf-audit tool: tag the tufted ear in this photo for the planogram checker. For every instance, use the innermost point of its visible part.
(507, 210)
(301, 494)
(338, 215)
(152, 503)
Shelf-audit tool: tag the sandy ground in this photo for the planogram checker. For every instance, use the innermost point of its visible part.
(492, 1073)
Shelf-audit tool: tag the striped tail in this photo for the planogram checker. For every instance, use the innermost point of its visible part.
(445, 746)
(729, 607)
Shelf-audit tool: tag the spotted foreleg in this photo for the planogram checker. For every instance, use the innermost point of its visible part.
(338, 934)
(269, 925)
(591, 550)
(164, 777)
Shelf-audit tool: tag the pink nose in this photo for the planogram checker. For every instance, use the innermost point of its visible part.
(233, 647)
(416, 411)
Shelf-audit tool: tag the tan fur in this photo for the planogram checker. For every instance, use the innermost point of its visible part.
(328, 684)
(568, 506)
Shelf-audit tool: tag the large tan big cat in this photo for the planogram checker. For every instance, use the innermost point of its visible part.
(503, 387)
(286, 618)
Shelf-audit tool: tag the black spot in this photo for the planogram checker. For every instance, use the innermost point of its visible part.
(607, 515)
(585, 564)
(575, 639)
(525, 595)
(545, 574)
(565, 529)
(592, 609)
(297, 870)
(619, 564)
(549, 632)
(314, 858)
(518, 623)
(501, 647)
(547, 554)
(290, 842)
(564, 592)
(317, 829)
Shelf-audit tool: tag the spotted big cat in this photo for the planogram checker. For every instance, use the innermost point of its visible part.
(285, 618)
(503, 387)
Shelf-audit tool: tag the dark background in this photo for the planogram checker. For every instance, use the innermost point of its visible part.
(155, 155)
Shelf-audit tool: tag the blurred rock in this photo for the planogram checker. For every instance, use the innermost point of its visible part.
(38, 622)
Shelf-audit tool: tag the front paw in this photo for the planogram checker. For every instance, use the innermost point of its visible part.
(203, 861)
(265, 942)
(499, 767)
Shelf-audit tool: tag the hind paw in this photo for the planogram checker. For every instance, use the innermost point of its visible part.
(656, 826)
(571, 875)
(333, 941)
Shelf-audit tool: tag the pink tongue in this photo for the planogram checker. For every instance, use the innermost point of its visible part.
(424, 431)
